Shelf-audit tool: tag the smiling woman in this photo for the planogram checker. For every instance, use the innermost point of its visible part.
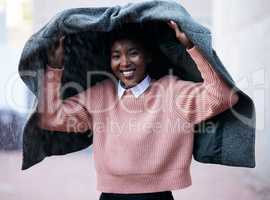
(143, 141)
(128, 62)
(127, 159)
(130, 56)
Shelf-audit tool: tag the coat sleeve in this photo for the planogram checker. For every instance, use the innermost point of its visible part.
(196, 102)
(55, 114)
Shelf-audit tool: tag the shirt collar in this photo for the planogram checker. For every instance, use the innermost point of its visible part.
(137, 90)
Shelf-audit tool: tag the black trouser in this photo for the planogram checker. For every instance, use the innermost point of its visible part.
(167, 195)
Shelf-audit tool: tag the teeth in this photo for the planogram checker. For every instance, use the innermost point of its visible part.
(128, 73)
(127, 70)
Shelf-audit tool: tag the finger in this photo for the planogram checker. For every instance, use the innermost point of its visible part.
(176, 28)
(171, 24)
(57, 47)
(60, 45)
(61, 41)
(51, 49)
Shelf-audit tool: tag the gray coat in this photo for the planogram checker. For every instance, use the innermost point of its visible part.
(231, 143)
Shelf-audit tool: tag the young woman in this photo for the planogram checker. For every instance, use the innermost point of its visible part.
(143, 128)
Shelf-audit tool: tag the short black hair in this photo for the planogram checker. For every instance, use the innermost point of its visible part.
(133, 32)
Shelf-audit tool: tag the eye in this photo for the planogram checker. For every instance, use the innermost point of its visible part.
(134, 53)
(115, 56)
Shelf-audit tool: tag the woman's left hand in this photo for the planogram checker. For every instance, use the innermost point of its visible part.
(180, 35)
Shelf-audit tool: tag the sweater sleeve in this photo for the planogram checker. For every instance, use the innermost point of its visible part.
(69, 115)
(196, 102)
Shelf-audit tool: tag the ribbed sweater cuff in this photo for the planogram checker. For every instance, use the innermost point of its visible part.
(195, 53)
(54, 74)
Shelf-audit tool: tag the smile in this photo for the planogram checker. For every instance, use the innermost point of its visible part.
(128, 73)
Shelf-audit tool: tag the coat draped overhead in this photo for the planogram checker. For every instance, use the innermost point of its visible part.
(87, 32)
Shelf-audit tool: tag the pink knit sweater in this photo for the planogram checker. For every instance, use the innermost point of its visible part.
(140, 144)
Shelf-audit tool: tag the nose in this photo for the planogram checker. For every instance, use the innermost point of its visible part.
(124, 62)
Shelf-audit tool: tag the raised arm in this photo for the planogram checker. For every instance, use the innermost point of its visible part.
(196, 102)
(69, 115)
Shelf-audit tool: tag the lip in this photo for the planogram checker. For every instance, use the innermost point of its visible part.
(128, 77)
(124, 70)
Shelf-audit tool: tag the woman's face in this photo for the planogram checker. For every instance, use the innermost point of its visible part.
(128, 61)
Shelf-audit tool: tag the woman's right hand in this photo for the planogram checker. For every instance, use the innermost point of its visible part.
(56, 54)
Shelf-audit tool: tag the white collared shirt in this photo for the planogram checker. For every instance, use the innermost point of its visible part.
(137, 90)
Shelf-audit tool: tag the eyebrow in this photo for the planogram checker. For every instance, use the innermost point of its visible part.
(132, 48)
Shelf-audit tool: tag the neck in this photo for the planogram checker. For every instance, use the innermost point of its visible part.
(130, 86)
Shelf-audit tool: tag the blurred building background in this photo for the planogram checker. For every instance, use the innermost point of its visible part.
(240, 29)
